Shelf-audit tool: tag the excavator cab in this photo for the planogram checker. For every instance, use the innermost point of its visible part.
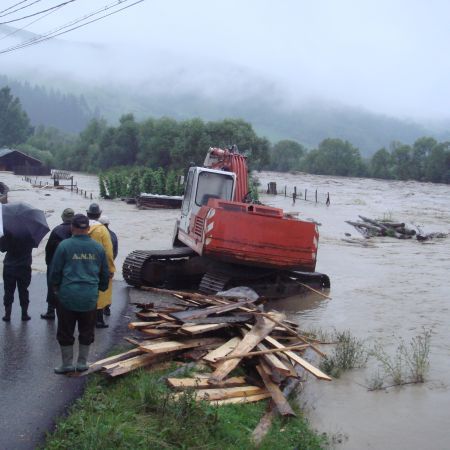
(201, 185)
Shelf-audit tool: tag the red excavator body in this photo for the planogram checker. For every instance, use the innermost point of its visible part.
(246, 233)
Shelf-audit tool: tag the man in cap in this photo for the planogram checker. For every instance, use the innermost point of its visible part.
(78, 271)
(58, 234)
(104, 219)
(99, 233)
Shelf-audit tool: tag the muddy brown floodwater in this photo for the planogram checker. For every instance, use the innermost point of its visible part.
(388, 290)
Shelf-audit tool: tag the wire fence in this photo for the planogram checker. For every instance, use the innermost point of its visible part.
(307, 195)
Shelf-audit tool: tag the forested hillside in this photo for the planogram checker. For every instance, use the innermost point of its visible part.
(49, 107)
(264, 107)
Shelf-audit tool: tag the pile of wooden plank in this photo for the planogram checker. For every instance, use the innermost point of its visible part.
(219, 334)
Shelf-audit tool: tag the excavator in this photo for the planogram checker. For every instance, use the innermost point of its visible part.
(223, 239)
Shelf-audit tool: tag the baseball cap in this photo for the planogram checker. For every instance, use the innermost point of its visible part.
(80, 221)
(67, 215)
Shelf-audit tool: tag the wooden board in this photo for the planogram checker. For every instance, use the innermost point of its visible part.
(277, 396)
(202, 383)
(99, 365)
(122, 367)
(173, 346)
(223, 350)
(275, 363)
(305, 364)
(185, 316)
(139, 325)
(199, 329)
(249, 399)
(224, 393)
(258, 332)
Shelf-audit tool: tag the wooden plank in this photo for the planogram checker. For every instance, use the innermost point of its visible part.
(100, 364)
(173, 346)
(155, 333)
(265, 423)
(249, 399)
(275, 362)
(223, 350)
(202, 382)
(292, 332)
(279, 399)
(258, 332)
(235, 318)
(139, 325)
(224, 393)
(264, 352)
(122, 367)
(199, 329)
(305, 364)
(185, 316)
(146, 315)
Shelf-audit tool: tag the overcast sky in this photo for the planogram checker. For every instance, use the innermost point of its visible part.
(386, 56)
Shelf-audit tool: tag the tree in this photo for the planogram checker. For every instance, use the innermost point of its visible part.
(335, 157)
(14, 122)
(402, 161)
(380, 165)
(421, 151)
(286, 155)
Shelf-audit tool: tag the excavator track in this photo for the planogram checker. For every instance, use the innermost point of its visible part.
(136, 262)
(213, 282)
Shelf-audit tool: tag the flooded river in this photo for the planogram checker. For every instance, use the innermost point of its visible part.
(392, 289)
(381, 292)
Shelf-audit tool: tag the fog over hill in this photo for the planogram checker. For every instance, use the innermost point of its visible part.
(149, 81)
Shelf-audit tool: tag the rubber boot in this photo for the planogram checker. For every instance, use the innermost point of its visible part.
(50, 314)
(67, 360)
(100, 322)
(107, 311)
(7, 316)
(83, 353)
(25, 315)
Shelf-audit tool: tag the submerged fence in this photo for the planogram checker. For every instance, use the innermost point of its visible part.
(312, 195)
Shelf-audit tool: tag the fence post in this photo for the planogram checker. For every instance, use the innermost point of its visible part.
(71, 183)
(316, 195)
(306, 190)
(285, 190)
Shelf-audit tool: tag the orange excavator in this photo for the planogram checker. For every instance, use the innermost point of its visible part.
(223, 240)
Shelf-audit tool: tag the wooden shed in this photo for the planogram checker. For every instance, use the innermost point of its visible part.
(20, 163)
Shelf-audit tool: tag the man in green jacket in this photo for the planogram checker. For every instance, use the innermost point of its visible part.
(78, 271)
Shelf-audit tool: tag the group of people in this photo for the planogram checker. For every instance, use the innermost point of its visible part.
(80, 255)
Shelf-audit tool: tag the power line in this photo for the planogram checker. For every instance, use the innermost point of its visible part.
(13, 6)
(55, 33)
(18, 9)
(37, 13)
(28, 24)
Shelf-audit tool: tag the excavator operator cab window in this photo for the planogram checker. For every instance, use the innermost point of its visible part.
(213, 185)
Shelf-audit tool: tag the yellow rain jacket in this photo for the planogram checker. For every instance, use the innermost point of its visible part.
(100, 233)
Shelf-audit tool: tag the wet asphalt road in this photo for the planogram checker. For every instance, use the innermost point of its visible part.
(31, 395)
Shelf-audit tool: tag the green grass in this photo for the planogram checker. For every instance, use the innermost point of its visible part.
(139, 412)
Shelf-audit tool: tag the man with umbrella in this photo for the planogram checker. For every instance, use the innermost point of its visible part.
(22, 227)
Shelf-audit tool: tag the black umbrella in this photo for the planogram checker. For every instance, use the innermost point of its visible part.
(24, 223)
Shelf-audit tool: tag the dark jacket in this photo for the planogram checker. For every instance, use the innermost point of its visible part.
(79, 270)
(58, 234)
(18, 253)
(115, 243)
